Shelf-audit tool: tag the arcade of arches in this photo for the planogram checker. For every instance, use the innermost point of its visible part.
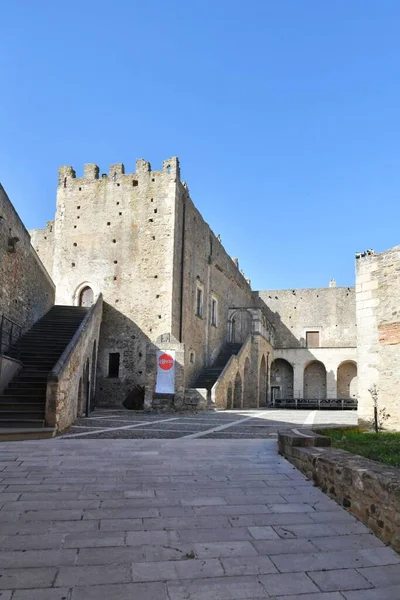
(313, 379)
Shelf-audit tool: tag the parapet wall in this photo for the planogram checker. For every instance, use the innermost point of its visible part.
(26, 290)
(378, 326)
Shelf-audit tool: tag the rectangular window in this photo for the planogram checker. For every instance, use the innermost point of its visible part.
(312, 339)
(199, 302)
(113, 364)
(214, 311)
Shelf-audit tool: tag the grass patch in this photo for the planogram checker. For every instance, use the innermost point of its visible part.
(382, 447)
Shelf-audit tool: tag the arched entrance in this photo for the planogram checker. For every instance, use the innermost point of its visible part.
(86, 297)
(262, 383)
(229, 397)
(315, 381)
(347, 380)
(281, 379)
(237, 393)
(240, 325)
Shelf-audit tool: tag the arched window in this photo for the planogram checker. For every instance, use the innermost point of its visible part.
(347, 380)
(86, 297)
(315, 381)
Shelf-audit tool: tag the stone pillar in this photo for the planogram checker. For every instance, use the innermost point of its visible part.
(298, 380)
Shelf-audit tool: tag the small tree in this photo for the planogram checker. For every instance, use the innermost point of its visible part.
(373, 390)
(379, 415)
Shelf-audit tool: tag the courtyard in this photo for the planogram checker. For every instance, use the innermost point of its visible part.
(204, 509)
(233, 424)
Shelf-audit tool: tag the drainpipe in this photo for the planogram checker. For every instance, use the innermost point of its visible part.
(267, 378)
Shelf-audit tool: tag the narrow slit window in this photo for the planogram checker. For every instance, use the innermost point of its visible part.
(199, 302)
(113, 365)
(214, 312)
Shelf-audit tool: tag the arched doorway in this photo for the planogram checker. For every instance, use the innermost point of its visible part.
(281, 380)
(86, 297)
(315, 381)
(347, 380)
(229, 397)
(262, 383)
(240, 325)
(237, 393)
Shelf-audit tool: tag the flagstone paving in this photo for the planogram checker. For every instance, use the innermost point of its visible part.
(178, 519)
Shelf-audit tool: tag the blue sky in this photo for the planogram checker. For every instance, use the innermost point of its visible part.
(284, 114)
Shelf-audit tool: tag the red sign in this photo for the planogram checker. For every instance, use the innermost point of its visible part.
(166, 362)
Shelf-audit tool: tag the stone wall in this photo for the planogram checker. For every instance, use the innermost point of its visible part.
(367, 489)
(26, 291)
(43, 242)
(329, 311)
(245, 380)
(207, 266)
(71, 384)
(378, 325)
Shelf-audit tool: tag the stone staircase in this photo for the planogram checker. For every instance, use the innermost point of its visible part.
(23, 402)
(209, 376)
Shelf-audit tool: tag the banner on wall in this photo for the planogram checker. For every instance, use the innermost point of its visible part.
(165, 383)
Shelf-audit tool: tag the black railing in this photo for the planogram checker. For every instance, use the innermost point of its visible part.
(316, 403)
(10, 337)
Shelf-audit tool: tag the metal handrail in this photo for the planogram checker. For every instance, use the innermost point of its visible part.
(10, 337)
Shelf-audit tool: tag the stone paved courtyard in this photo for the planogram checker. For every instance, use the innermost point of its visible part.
(179, 519)
(245, 424)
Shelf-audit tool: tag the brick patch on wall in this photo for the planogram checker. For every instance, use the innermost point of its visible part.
(389, 333)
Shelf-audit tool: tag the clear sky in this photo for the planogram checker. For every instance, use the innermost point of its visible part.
(284, 114)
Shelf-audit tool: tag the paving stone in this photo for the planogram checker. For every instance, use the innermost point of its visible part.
(339, 580)
(346, 542)
(27, 578)
(281, 583)
(94, 539)
(37, 558)
(382, 576)
(252, 565)
(286, 547)
(392, 592)
(226, 588)
(120, 513)
(169, 570)
(109, 555)
(121, 525)
(73, 526)
(345, 559)
(263, 533)
(269, 519)
(148, 538)
(43, 594)
(229, 534)
(52, 515)
(132, 591)
(185, 523)
(204, 501)
(6, 595)
(290, 508)
(219, 549)
(318, 596)
(314, 530)
(31, 542)
(92, 575)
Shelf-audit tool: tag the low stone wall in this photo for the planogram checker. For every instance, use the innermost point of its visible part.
(369, 490)
(70, 385)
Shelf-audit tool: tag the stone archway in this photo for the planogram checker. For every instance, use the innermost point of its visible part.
(262, 383)
(281, 379)
(237, 392)
(86, 297)
(248, 385)
(347, 380)
(315, 381)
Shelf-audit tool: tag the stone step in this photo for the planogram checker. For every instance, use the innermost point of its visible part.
(26, 432)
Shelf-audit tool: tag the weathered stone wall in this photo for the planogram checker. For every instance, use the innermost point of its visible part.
(26, 290)
(331, 311)
(378, 326)
(369, 490)
(249, 373)
(43, 242)
(72, 382)
(115, 234)
(206, 264)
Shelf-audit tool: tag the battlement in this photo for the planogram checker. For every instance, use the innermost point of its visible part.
(170, 168)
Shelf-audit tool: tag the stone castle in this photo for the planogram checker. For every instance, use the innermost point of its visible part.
(133, 249)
